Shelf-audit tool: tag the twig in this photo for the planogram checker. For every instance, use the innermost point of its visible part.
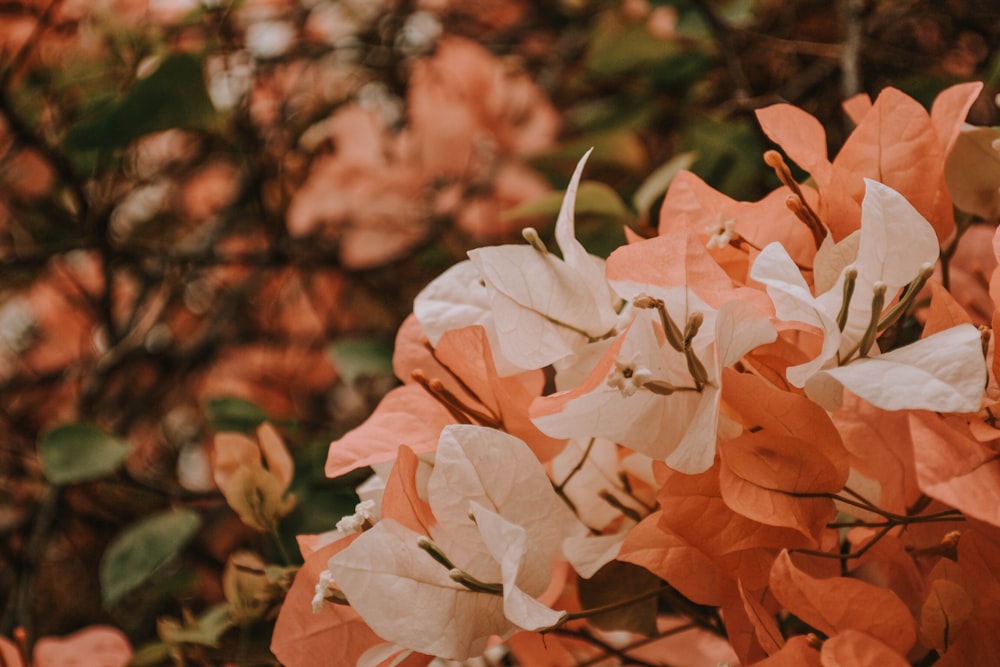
(850, 55)
(724, 37)
(606, 647)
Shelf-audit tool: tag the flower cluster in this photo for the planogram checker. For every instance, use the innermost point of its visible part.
(767, 434)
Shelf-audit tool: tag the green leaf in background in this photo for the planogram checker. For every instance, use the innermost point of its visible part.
(362, 357)
(656, 184)
(79, 453)
(205, 630)
(612, 150)
(729, 156)
(233, 414)
(172, 96)
(143, 548)
(592, 198)
(617, 48)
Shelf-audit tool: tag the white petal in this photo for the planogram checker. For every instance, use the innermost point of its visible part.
(945, 372)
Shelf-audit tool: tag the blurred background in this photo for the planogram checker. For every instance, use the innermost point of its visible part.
(218, 212)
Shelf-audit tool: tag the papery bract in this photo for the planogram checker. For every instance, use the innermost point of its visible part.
(544, 307)
(940, 374)
(254, 492)
(837, 604)
(519, 525)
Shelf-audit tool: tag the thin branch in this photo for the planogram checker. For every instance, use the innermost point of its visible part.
(850, 55)
(606, 647)
(724, 38)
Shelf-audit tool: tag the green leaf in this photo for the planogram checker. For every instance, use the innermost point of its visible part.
(617, 48)
(657, 183)
(618, 149)
(79, 453)
(205, 630)
(142, 549)
(233, 414)
(729, 156)
(592, 198)
(172, 96)
(361, 357)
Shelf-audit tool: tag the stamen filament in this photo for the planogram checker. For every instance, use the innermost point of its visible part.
(893, 314)
(435, 552)
(530, 234)
(850, 280)
(474, 584)
(868, 339)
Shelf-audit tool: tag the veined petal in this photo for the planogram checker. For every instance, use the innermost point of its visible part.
(945, 372)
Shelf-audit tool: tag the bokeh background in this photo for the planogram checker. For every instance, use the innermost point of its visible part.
(217, 212)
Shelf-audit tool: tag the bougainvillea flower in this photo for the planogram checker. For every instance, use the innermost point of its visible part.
(485, 561)
(93, 646)
(255, 492)
(545, 308)
(642, 393)
(896, 141)
(945, 371)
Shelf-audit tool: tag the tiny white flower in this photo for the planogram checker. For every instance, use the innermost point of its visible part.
(721, 233)
(322, 586)
(627, 376)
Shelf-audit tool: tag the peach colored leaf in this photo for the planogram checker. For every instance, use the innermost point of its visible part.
(336, 632)
(693, 509)
(837, 604)
(762, 405)
(800, 135)
(979, 641)
(677, 259)
(412, 351)
(954, 468)
(276, 455)
(765, 627)
(944, 312)
(694, 205)
(10, 653)
(972, 172)
(675, 561)
(857, 107)
(93, 646)
(945, 610)
(407, 597)
(879, 446)
(406, 415)
(782, 463)
(896, 144)
(233, 451)
(980, 559)
(759, 472)
(797, 652)
(401, 500)
(740, 630)
(467, 354)
(949, 110)
(852, 648)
